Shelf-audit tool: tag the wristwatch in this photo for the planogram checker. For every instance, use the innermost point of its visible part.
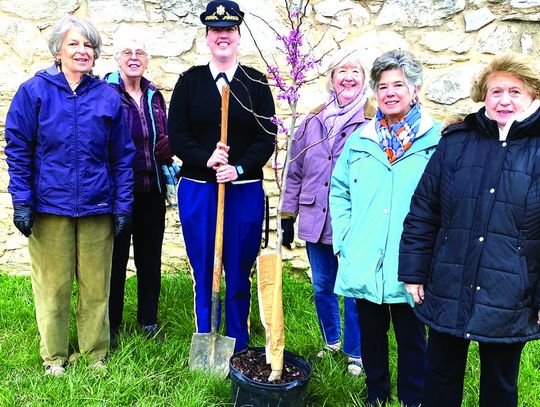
(239, 170)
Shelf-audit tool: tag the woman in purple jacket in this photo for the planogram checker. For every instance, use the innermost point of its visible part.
(69, 160)
(316, 146)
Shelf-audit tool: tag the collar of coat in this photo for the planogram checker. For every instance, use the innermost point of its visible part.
(479, 122)
(428, 136)
(55, 76)
(366, 140)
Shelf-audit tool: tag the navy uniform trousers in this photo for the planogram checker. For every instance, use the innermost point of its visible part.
(244, 210)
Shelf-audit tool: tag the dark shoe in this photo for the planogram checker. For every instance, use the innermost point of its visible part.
(154, 333)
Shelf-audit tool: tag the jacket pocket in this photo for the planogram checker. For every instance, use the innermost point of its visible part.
(306, 199)
(442, 238)
(307, 214)
(524, 273)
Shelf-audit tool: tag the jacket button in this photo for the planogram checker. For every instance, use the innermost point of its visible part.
(504, 144)
(481, 238)
(329, 157)
(324, 210)
(478, 288)
(385, 211)
(468, 335)
(343, 134)
(326, 184)
(492, 190)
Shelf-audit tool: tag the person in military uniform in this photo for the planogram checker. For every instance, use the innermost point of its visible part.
(194, 134)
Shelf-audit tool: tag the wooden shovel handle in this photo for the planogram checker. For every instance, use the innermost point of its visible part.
(218, 248)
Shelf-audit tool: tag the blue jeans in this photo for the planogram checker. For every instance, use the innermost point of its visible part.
(324, 267)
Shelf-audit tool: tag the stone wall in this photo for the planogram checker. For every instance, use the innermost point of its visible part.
(452, 38)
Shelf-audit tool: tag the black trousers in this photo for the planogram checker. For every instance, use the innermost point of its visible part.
(447, 357)
(148, 227)
(411, 349)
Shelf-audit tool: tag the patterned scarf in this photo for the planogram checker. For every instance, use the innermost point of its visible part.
(335, 117)
(398, 138)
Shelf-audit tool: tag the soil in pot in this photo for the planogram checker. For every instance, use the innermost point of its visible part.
(253, 365)
(249, 380)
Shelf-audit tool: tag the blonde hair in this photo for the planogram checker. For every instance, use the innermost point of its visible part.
(344, 58)
(519, 65)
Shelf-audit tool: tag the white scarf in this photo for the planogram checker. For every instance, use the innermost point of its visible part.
(335, 117)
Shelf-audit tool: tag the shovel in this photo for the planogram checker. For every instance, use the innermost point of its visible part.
(211, 351)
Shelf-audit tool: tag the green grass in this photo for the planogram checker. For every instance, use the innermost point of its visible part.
(142, 373)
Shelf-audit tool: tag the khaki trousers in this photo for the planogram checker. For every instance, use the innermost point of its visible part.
(62, 248)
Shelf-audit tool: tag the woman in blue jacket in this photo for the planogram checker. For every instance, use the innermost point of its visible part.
(372, 183)
(69, 160)
(470, 250)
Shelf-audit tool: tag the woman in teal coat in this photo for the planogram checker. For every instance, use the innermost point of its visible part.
(372, 185)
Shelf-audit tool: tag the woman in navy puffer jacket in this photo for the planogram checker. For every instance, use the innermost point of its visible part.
(69, 159)
(470, 249)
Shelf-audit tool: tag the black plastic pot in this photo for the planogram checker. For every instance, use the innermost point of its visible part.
(247, 392)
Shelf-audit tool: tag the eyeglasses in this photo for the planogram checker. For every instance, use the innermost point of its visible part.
(127, 53)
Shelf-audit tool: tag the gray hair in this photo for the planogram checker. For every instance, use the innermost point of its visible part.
(130, 40)
(344, 58)
(397, 59)
(85, 27)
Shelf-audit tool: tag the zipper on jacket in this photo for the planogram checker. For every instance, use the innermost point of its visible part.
(150, 95)
(75, 131)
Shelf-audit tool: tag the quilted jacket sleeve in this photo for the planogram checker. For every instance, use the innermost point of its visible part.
(422, 224)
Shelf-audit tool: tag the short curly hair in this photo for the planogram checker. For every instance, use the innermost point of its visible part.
(85, 27)
(519, 65)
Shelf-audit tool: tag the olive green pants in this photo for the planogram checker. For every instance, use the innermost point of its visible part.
(62, 248)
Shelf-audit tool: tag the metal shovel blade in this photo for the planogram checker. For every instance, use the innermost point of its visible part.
(211, 352)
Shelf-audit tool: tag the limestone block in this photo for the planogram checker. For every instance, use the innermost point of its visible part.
(341, 13)
(39, 9)
(418, 13)
(525, 3)
(527, 44)
(478, 18)
(522, 17)
(261, 23)
(162, 40)
(450, 87)
(23, 51)
(373, 43)
(102, 11)
(438, 41)
(496, 39)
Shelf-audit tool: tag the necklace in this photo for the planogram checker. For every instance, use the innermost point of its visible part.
(73, 84)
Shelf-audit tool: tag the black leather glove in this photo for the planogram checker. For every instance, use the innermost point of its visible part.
(23, 218)
(122, 224)
(287, 232)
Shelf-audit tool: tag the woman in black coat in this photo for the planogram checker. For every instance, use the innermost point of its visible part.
(470, 249)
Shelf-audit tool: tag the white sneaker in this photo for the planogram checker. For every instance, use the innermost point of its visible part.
(354, 366)
(329, 349)
(54, 370)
